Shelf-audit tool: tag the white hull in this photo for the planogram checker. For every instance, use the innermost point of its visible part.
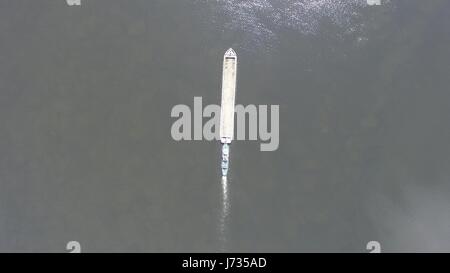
(228, 96)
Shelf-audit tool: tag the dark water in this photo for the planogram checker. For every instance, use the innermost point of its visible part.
(86, 152)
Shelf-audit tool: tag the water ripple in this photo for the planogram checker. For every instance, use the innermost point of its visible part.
(261, 19)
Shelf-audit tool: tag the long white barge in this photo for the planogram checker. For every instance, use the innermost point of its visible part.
(227, 107)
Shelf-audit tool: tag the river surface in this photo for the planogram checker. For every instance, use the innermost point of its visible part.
(86, 152)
